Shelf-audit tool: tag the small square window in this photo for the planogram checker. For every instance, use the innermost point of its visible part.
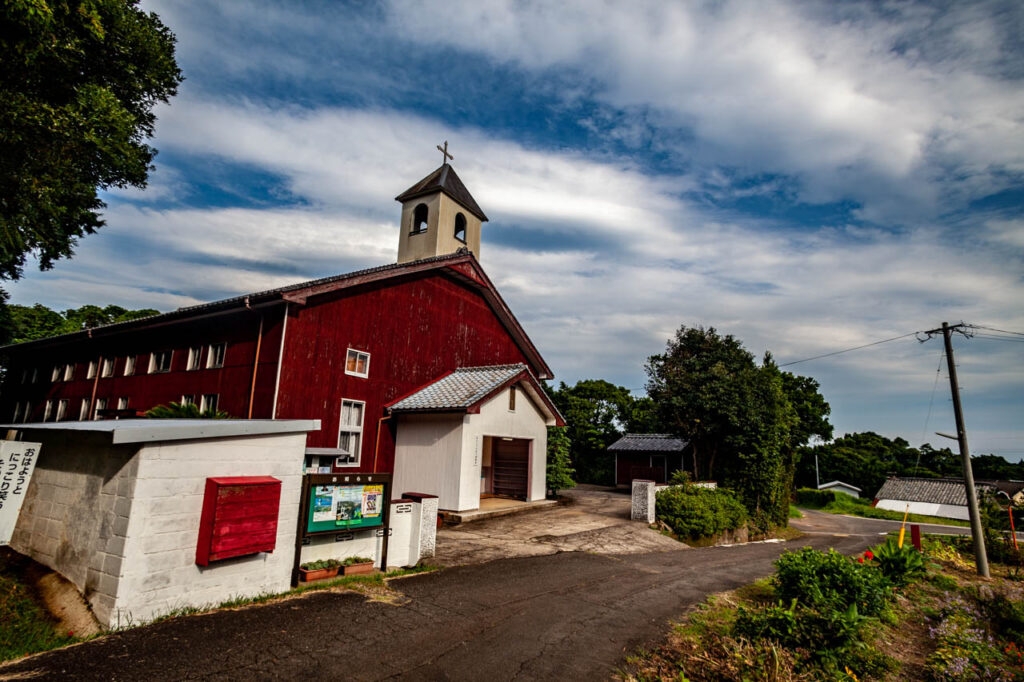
(215, 355)
(27, 413)
(194, 353)
(35, 374)
(101, 404)
(160, 361)
(24, 376)
(122, 403)
(17, 412)
(512, 399)
(187, 400)
(69, 371)
(129, 365)
(56, 373)
(47, 410)
(209, 402)
(83, 410)
(107, 370)
(90, 371)
(357, 363)
(62, 410)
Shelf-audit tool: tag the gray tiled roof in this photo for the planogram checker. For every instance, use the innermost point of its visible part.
(461, 389)
(932, 490)
(648, 442)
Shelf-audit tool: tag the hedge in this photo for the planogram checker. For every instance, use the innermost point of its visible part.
(693, 512)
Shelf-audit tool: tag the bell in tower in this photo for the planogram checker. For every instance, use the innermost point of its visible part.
(439, 216)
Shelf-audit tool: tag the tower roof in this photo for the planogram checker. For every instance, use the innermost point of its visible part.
(444, 180)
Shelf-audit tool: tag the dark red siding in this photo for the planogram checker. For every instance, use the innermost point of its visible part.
(415, 330)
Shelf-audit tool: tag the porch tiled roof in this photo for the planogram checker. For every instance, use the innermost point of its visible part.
(460, 390)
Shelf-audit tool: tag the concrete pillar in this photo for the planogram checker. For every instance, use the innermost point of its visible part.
(642, 508)
(427, 536)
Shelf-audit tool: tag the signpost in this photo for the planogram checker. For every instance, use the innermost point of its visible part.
(17, 462)
(339, 504)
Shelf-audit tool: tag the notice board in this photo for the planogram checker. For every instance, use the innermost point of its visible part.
(345, 506)
(17, 462)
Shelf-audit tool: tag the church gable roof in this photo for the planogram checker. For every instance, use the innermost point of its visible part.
(444, 179)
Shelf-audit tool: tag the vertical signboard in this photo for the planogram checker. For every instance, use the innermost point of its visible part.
(17, 462)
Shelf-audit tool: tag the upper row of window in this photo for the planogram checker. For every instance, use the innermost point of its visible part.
(159, 361)
(419, 222)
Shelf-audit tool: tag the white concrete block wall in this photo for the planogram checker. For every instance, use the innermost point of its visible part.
(75, 516)
(643, 503)
(946, 511)
(159, 573)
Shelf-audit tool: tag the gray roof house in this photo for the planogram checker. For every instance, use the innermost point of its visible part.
(945, 497)
(647, 456)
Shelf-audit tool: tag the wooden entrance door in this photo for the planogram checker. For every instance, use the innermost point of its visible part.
(511, 468)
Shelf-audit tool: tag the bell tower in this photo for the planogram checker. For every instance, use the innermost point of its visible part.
(439, 216)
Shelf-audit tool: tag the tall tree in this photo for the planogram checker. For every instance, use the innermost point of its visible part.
(38, 322)
(596, 412)
(78, 83)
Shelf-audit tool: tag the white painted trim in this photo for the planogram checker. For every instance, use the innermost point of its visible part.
(147, 430)
(365, 375)
(362, 431)
(280, 359)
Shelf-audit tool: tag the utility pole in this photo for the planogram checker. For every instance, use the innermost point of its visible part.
(961, 436)
(817, 476)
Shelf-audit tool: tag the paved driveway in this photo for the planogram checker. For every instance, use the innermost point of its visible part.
(597, 520)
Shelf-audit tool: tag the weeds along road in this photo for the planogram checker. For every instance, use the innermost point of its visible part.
(569, 615)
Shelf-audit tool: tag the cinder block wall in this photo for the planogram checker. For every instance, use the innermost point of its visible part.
(75, 516)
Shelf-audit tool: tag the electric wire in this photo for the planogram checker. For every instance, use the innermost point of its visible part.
(931, 401)
(993, 329)
(847, 350)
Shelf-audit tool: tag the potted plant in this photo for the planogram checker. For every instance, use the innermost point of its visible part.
(355, 565)
(317, 570)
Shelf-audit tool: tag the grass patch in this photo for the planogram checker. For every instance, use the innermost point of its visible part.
(795, 513)
(26, 627)
(858, 506)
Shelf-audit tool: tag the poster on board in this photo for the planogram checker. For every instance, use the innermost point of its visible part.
(345, 507)
(17, 462)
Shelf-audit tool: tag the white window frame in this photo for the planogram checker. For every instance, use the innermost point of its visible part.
(17, 412)
(195, 354)
(357, 353)
(204, 403)
(107, 367)
(62, 410)
(83, 410)
(211, 355)
(187, 399)
(47, 410)
(356, 429)
(101, 404)
(122, 403)
(28, 412)
(90, 371)
(129, 364)
(69, 371)
(35, 374)
(153, 369)
(24, 376)
(55, 377)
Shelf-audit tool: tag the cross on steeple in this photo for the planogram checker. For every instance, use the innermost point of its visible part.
(444, 151)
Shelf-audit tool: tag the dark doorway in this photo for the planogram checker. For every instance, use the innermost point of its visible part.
(511, 468)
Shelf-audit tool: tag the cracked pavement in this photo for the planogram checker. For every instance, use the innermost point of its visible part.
(567, 615)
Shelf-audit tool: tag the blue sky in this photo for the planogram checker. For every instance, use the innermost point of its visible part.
(806, 176)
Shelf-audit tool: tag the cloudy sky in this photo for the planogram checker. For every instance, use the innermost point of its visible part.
(808, 177)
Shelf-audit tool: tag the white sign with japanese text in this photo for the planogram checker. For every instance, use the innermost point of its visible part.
(17, 462)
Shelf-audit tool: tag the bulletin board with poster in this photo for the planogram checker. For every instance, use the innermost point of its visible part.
(342, 503)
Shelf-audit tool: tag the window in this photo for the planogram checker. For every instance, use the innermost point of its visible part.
(24, 375)
(419, 219)
(27, 411)
(215, 355)
(69, 371)
(83, 410)
(17, 412)
(350, 432)
(35, 374)
(108, 367)
(209, 403)
(460, 227)
(357, 363)
(62, 410)
(512, 399)
(187, 400)
(160, 361)
(129, 365)
(122, 403)
(90, 371)
(194, 353)
(56, 373)
(47, 410)
(101, 404)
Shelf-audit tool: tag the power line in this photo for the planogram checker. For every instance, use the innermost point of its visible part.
(993, 329)
(931, 401)
(847, 350)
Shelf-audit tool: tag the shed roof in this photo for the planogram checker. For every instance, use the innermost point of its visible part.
(150, 430)
(833, 484)
(648, 442)
(932, 490)
(467, 388)
(444, 180)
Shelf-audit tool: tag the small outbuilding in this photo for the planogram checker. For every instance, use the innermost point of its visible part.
(840, 487)
(647, 456)
(944, 497)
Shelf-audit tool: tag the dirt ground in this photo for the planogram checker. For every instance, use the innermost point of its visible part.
(596, 520)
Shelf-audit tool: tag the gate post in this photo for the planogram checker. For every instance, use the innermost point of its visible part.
(642, 508)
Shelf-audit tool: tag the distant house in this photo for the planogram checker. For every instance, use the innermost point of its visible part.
(648, 456)
(1012, 490)
(945, 497)
(840, 487)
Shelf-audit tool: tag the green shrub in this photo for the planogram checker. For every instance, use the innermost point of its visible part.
(357, 560)
(899, 564)
(825, 632)
(809, 497)
(694, 513)
(830, 582)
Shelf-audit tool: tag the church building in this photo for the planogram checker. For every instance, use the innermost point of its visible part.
(417, 368)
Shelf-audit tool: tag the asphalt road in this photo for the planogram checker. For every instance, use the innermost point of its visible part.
(569, 615)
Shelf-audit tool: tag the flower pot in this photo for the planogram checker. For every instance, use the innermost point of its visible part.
(307, 575)
(358, 569)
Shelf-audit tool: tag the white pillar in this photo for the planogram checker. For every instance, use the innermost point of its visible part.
(642, 508)
(427, 536)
